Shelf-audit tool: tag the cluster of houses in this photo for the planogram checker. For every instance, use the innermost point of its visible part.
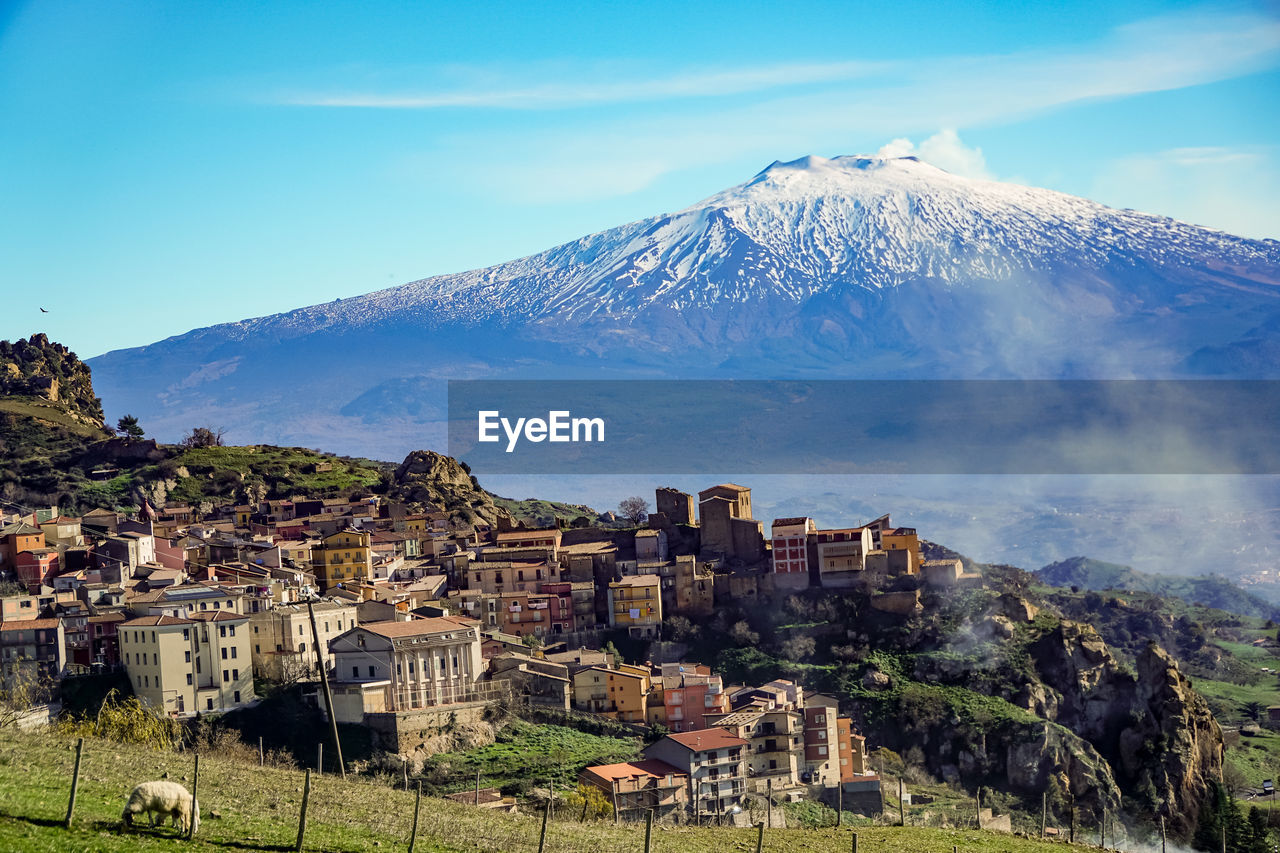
(770, 740)
(417, 617)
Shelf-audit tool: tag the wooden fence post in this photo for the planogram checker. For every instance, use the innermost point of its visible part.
(324, 682)
(855, 842)
(1044, 811)
(320, 759)
(839, 804)
(542, 836)
(759, 837)
(617, 818)
(648, 830)
(75, 782)
(262, 753)
(768, 786)
(1162, 850)
(902, 812)
(195, 786)
(302, 816)
(417, 804)
(478, 789)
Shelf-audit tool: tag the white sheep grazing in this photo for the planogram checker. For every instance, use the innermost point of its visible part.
(160, 799)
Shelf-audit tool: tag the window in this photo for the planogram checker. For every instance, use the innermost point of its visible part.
(186, 634)
(208, 704)
(822, 750)
(235, 675)
(188, 678)
(226, 676)
(187, 657)
(371, 671)
(355, 672)
(231, 629)
(233, 652)
(257, 649)
(410, 667)
(299, 630)
(224, 654)
(237, 699)
(146, 681)
(302, 647)
(197, 666)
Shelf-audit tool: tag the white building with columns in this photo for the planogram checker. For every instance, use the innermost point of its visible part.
(390, 667)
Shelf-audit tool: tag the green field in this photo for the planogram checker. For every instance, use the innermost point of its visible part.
(257, 809)
(526, 754)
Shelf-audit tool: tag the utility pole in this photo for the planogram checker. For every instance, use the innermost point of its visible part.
(324, 681)
(1044, 811)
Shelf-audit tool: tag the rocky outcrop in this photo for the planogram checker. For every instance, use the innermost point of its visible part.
(1156, 731)
(428, 479)
(1173, 746)
(38, 367)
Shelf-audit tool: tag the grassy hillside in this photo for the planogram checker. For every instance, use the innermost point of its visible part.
(543, 513)
(258, 808)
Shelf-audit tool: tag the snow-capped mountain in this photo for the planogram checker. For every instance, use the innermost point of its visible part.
(853, 266)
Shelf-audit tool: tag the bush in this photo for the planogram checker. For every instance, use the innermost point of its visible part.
(126, 721)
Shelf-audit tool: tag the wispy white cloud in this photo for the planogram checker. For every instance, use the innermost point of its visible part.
(560, 94)
(962, 93)
(1155, 54)
(1230, 188)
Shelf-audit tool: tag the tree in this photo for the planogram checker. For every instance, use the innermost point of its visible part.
(203, 437)
(128, 427)
(634, 509)
(1253, 710)
(742, 635)
(799, 648)
(612, 650)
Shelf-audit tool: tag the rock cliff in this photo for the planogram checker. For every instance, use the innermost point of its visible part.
(429, 479)
(1156, 732)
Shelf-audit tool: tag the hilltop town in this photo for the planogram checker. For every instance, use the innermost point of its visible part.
(419, 620)
(682, 660)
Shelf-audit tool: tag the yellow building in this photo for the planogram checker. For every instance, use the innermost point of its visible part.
(620, 694)
(184, 666)
(897, 541)
(635, 603)
(343, 557)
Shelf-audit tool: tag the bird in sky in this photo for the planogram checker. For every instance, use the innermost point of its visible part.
(43, 311)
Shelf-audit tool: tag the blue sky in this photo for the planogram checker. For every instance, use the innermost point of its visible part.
(166, 166)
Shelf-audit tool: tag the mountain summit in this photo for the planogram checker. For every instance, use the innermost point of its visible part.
(851, 266)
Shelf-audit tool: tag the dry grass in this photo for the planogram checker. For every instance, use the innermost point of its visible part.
(258, 810)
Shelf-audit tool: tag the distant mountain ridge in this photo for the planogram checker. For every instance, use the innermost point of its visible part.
(1213, 591)
(852, 267)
